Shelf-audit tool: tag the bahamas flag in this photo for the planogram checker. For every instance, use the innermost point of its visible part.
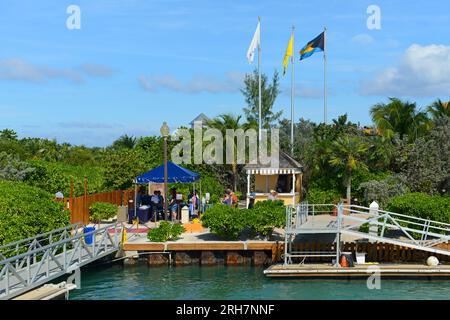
(318, 44)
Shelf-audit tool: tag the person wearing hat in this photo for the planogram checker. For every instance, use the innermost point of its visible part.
(273, 195)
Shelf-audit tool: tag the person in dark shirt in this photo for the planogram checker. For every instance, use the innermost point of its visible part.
(160, 207)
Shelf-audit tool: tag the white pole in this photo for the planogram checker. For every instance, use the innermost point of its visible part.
(325, 75)
(292, 94)
(248, 189)
(259, 80)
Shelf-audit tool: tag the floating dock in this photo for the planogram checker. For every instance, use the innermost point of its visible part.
(48, 292)
(318, 271)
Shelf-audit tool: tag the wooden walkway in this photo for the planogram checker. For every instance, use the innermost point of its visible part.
(316, 271)
(201, 245)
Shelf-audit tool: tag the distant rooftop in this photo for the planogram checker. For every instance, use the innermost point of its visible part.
(201, 117)
(285, 162)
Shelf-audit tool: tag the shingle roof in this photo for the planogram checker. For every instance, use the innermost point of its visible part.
(285, 162)
(201, 117)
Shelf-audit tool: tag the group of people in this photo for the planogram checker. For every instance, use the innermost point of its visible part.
(230, 198)
(175, 204)
(154, 201)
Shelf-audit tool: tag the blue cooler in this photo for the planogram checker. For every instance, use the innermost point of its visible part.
(90, 237)
(131, 215)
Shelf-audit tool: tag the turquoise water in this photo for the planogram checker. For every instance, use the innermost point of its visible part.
(220, 282)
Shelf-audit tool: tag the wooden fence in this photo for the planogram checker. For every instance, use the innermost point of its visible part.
(79, 206)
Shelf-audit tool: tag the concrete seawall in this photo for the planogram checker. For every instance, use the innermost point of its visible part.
(259, 253)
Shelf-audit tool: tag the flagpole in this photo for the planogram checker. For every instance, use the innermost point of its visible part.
(259, 79)
(325, 75)
(292, 93)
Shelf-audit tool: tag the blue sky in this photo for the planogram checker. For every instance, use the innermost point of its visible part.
(134, 64)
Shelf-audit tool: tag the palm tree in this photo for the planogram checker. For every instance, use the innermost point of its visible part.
(346, 153)
(439, 109)
(229, 121)
(400, 117)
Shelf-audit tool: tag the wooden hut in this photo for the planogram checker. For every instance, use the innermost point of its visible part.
(286, 180)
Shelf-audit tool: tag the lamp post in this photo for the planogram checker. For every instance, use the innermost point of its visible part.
(165, 131)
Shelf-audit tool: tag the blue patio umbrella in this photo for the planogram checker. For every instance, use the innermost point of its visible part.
(175, 173)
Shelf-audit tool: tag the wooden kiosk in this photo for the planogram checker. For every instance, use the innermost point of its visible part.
(286, 180)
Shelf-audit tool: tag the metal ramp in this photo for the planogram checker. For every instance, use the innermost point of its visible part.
(32, 262)
(384, 226)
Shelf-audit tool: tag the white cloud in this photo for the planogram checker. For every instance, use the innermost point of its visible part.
(19, 69)
(198, 84)
(363, 39)
(421, 72)
(87, 125)
(304, 92)
(96, 70)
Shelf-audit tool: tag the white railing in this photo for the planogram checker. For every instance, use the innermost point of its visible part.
(29, 263)
(414, 232)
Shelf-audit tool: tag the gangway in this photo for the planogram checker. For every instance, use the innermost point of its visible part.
(32, 262)
(388, 227)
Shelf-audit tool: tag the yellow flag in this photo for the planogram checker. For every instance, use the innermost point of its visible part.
(288, 54)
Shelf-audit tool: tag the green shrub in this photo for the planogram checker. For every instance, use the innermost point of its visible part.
(265, 216)
(54, 177)
(319, 196)
(229, 222)
(224, 221)
(26, 211)
(364, 227)
(166, 231)
(99, 211)
(422, 205)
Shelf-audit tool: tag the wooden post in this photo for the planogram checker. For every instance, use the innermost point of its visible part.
(71, 201)
(86, 207)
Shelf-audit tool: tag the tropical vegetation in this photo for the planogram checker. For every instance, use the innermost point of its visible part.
(166, 231)
(232, 223)
(405, 149)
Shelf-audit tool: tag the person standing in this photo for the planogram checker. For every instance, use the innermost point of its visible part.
(154, 204)
(273, 195)
(173, 205)
(160, 207)
(227, 198)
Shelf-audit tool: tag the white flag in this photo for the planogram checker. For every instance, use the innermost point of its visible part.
(254, 44)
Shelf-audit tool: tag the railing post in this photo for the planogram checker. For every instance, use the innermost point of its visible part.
(384, 225)
(7, 277)
(105, 238)
(47, 263)
(338, 234)
(65, 255)
(93, 244)
(285, 248)
(17, 252)
(28, 270)
(373, 210)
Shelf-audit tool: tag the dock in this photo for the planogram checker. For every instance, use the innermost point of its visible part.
(48, 292)
(204, 245)
(363, 271)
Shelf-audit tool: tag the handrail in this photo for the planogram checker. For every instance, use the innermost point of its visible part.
(41, 235)
(397, 214)
(431, 224)
(58, 243)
